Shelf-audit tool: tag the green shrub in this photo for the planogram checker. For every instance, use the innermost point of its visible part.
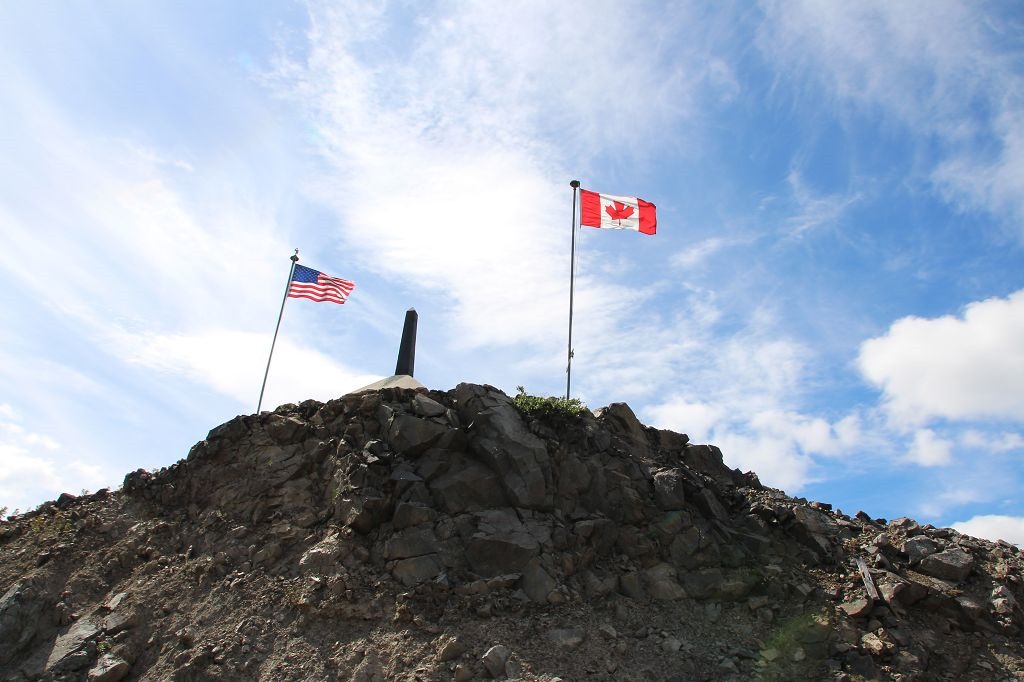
(53, 527)
(535, 405)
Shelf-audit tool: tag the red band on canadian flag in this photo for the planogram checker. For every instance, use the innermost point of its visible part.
(617, 213)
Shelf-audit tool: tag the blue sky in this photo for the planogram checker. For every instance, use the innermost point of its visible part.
(834, 297)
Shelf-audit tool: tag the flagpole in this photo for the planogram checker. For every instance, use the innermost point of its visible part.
(291, 272)
(575, 184)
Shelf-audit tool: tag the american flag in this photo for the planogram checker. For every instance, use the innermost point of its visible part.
(316, 286)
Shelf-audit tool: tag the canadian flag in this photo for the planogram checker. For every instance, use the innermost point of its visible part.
(617, 213)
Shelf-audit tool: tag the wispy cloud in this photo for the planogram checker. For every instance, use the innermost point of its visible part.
(449, 161)
(702, 251)
(813, 211)
(941, 71)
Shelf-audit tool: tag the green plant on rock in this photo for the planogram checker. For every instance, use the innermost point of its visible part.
(535, 405)
(54, 527)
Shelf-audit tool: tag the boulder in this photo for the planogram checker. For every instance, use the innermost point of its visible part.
(418, 569)
(918, 547)
(707, 459)
(109, 668)
(20, 617)
(537, 582)
(410, 436)
(621, 420)
(411, 542)
(567, 638)
(668, 489)
(951, 564)
(495, 659)
(815, 530)
(427, 407)
(467, 488)
(661, 584)
(502, 441)
(501, 544)
(70, 650)
(411, 514)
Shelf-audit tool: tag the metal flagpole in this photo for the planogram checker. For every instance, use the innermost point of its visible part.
(575, 184)
(291, 271)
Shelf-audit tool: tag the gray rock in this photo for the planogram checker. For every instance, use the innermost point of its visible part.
(411, 436)
(952, 564)
(814, 530)
(408, 514)
(109, 668)
(857, 608)
(115, 601)
(1003, 601)
(918, 547)
(707, 459)
(323, 556)
(451, 649)
(418, 569)
(427, 407)
(496, 554)
(20, 615)
(67, 650)
(568, 638)
(284, 429)
(660, 581)
(621, 419)
(702, 584)
(411, 542)
(668, 489)
(119, 620)
(671, 645)
(467, 488)
(708, 503)
(896, 590)
(537, 582)
(495, 660)
(502, 441)
(631, 585)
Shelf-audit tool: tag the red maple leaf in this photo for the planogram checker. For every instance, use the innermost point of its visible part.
(619, 212)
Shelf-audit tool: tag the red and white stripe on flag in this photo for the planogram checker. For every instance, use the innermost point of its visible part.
(617, 213)
(316, 286)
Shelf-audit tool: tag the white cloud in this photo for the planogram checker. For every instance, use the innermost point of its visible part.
(992, 442)
(776, 462)
(994, 527)
(696, 419)
(952, 367)
(449, 159)
(929, 449)
(743, 393)
(28, 476)
(941, 70)
(233, 363)
(700, 252)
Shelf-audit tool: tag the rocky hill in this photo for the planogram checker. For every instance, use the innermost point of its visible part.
(425, 535)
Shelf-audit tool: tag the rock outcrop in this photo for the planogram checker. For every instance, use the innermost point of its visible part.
(413, 534)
